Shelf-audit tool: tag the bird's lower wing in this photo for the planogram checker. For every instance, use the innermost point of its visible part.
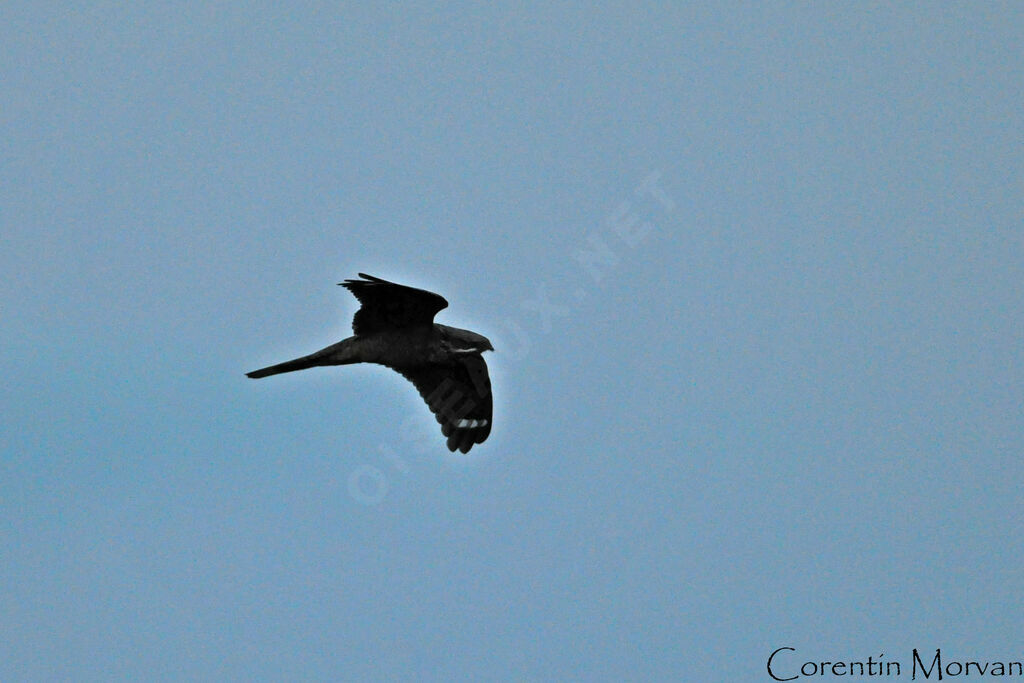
(459, 395)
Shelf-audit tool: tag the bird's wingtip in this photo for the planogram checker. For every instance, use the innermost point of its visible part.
(365, 278)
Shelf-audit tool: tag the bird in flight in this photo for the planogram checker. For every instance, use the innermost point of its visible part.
(395, 327)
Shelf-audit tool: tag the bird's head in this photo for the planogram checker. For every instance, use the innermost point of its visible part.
(466, 341)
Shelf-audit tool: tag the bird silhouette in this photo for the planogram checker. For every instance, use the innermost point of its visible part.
(395, 327)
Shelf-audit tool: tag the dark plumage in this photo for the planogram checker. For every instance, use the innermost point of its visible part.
(395, 327)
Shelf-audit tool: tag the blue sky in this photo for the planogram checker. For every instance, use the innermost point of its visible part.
(752, 274)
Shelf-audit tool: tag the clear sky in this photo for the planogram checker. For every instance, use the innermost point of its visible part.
(753, 276)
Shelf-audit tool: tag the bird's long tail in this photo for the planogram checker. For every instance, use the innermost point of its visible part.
(341, 353)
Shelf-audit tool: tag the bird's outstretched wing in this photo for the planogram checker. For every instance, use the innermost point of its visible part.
(459, 395)
(388, 306)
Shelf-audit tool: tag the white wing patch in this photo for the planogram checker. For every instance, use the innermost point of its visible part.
(470, 424)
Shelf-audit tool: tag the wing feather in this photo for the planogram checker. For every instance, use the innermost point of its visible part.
(390, 306)
(459, 395)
